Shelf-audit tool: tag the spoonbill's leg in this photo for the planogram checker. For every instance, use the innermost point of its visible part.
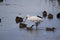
(36, 25)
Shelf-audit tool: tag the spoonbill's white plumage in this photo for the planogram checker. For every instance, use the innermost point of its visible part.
(35, 19)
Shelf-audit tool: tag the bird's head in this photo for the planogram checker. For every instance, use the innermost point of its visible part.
(27, 16)
(39, 16)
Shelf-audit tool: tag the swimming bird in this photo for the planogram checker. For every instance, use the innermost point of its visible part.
(35, 19)
(50, 29)
(19, 19)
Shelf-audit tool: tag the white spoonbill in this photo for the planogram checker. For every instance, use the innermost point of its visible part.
(35, 19)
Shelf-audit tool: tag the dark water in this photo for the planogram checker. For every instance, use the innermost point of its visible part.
(9, 9)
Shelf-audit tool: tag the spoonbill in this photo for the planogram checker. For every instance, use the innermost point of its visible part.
(35, 19)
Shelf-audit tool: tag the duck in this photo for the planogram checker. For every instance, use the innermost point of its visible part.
(50, 29)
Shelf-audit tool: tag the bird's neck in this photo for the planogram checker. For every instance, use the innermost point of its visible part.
(28, 17)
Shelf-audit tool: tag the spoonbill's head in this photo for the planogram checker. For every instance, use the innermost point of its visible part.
(27, 16)
(39, 16)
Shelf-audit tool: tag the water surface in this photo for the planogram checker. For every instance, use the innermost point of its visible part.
(9, 9)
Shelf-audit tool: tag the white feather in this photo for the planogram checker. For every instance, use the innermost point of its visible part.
(34, 19)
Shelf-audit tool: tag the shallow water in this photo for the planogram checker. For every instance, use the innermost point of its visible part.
(9, 9)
